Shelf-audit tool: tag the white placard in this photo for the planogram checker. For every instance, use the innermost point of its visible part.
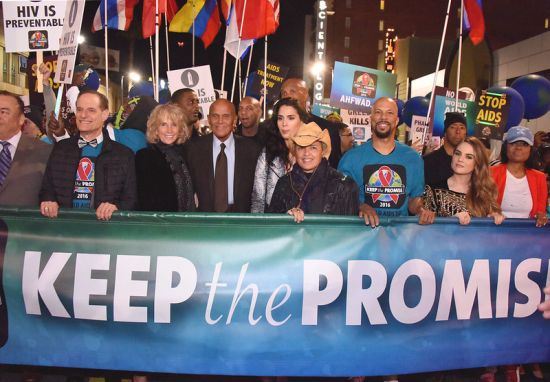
(198, 78)
(33, 25)
(359, 124)
(68, 48)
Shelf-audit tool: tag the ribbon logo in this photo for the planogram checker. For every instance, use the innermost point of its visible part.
(85, 169)
(386, 179)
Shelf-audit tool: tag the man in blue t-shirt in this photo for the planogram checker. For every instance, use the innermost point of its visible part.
(390, 175)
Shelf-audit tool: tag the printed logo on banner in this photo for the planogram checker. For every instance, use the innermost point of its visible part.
(385, 185)
(84, 183)
(364, 84)
(38, 39)
(189, 78)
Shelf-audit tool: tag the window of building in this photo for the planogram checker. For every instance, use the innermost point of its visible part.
(381, 25)
(382, 5)
(380, 45)
(348, 4)
(346, 59)
(348, 23)
(346, 42)
(546, 23)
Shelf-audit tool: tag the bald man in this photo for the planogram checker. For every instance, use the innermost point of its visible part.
(296, 88)
(249, 126)
(390, 175)
(222, 151)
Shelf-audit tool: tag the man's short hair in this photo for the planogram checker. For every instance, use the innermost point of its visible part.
(453, 117)
(178, 94)
(16, 98)
(103, 100)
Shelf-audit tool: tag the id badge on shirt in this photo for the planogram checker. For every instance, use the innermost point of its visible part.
(84, 183)
(384, 185)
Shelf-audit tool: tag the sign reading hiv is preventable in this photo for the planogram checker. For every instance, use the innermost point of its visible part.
(198, 78)
(173, 292)
(69, 41)
(33, 25)
(357, 87)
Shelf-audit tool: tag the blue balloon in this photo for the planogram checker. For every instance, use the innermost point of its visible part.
(415, 106)
(517, 105)
(535, 91)
(400, 106)
(142, 88)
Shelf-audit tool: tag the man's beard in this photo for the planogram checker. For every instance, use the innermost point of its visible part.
(382, 135)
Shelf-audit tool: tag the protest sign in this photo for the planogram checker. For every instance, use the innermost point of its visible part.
(275, 76)
(95, 56)
(491, 115)
(33, 25)
(66, 57)
(359, 124)
(198, 78)
(444, 101)
(323, 110)
(419, 129)
(356, 87)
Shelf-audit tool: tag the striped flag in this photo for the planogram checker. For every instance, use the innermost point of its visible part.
(474, 20)
(148, 17)
(260, 19)
(119, 14)
(206, 17)
(226, 10)
(232, 38)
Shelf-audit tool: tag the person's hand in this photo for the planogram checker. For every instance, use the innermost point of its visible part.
(369, 214)
(49, 209)
(542, 219)
(544, 307)
(55, 127)
(464, 217)
(499, 218)
(425, 216)
(105, 211)
(46, 73)
(417, 146)
(298, 214)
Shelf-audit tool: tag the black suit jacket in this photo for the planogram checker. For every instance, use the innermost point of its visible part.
(199, 159)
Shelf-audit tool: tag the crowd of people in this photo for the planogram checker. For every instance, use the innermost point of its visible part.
(160, 159)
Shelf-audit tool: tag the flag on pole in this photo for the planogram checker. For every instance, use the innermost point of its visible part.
(148, 18)
(206, 17)
(232, 38)
(226, 10)
(260, 19)
(119, 14)
(474, 20)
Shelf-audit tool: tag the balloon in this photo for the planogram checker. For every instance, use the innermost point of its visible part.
(415, 106)
(517, 105)
(535, 91)
(142, 88)
(400, 105)
(91, 79)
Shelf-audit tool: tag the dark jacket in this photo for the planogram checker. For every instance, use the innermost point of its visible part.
(328, 192)
(156, 186)
(199, 159)
(115, 175)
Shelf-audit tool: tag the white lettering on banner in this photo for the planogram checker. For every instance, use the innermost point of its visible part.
(351, 100)
(175, 280)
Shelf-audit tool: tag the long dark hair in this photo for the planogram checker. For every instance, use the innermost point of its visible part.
(530, 163)
(275, 146)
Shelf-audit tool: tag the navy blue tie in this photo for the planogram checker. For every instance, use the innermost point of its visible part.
(5, 161)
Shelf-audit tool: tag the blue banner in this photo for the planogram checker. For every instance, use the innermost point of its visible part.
(260, 295)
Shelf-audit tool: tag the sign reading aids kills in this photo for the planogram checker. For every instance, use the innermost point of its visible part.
(198, 78)
(33, 25)
(359, 124)
(357, 87)
(491, 115)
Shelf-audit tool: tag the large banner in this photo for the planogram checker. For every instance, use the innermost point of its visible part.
(261, 295)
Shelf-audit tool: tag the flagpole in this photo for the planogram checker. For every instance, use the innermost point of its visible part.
(238, 58)
(152, 59)
(106, 23)
(223, 67)
(157, 58)
(459, 64)
(167, 42)
(240, 81)
(437, 68)
(248, 68)
(193, 26)
(265, 77)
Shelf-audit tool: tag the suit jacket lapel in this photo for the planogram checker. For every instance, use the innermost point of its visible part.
(21, 153)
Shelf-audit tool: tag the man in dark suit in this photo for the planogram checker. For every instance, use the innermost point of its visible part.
(296, 88)
(23, 162)
(222, 164)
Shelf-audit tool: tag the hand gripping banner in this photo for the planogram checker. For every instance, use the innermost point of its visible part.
(260, 295)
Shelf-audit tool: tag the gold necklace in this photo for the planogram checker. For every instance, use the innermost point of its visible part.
(300, 195)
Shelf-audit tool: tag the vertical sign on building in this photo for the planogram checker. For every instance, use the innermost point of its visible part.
(389, 50)
(320, 43)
